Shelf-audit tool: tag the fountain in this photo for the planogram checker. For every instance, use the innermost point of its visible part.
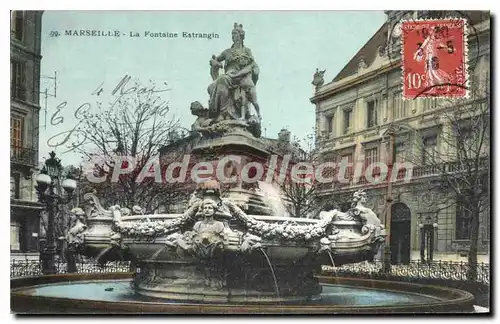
(227, 253)
(216, 252)
(215, 258)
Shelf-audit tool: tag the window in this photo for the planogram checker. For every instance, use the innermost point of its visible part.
(330, 122)
(371, 156)
(399, 106)
(462, 222)
(468, 140)
(14, 236)
(16, 133)
(430, 103)
(486, 224)
(429, 152)
(399, 152)
(17, 24)
(468, 143)
(349, 169)
(347, 121)
(371, 113)
(329, 172)
(14, 186)
(17, 80)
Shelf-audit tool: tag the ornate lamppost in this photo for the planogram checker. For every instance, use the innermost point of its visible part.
(46, 183)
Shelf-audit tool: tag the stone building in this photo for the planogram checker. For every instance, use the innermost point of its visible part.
(25, 32)
(354, 111)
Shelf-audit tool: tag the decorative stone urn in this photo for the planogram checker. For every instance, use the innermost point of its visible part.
(214, 252)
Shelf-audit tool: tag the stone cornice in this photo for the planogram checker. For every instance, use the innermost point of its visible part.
(21, 105)
(330, 91)
(18, 48)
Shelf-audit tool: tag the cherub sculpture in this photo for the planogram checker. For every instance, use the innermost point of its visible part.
(215, 65)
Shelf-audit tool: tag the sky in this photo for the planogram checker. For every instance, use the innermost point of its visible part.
(287, 46)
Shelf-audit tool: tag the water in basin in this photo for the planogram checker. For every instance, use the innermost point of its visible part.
(122, 291)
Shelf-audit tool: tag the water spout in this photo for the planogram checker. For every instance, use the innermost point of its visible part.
(272, 272)
(333, 265)
(157, 253)
(272, 197)
(102, 254)
(331, 258)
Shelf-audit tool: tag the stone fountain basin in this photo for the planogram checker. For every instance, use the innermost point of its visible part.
(53, 295)
(352, 245)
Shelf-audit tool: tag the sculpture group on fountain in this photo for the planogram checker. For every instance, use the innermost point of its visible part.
(232, 96)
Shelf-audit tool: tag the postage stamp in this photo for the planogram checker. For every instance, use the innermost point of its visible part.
(434, 58)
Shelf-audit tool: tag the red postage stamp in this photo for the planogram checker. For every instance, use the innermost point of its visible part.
(434, 58)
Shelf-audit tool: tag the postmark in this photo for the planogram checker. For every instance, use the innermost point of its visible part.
(434, 58)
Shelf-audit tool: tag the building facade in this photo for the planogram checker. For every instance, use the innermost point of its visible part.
(353, 115)
(25, 61)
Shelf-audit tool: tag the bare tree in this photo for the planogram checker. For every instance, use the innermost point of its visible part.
(134, 127)
(301, 193)
(461, 160)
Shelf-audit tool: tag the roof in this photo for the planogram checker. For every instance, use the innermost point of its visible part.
(368, 51)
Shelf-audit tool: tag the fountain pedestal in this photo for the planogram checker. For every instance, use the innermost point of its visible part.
(226, 281)
(230, 153)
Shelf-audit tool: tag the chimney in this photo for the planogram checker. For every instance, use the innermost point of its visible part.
(284, 136)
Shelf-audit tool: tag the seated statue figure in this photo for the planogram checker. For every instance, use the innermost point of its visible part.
(230, 92)
(202, 123)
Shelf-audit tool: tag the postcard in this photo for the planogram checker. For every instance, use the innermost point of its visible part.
(250, 162)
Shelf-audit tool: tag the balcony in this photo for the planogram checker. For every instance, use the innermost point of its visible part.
(23, 155)
(417, 173)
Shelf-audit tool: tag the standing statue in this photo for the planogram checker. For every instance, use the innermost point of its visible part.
(232, 93)
(318, 78)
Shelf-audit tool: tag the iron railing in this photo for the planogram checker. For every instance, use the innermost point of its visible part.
(30, 268)
(23, 155)
(444, 270)
(403, 174)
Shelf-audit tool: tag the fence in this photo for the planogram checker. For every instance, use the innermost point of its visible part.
(440, 270)
(456, 271)
(28, 268)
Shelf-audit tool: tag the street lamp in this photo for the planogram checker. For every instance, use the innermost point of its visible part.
(52, 200)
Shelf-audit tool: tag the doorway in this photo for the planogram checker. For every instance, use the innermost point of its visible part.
(400, 234)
